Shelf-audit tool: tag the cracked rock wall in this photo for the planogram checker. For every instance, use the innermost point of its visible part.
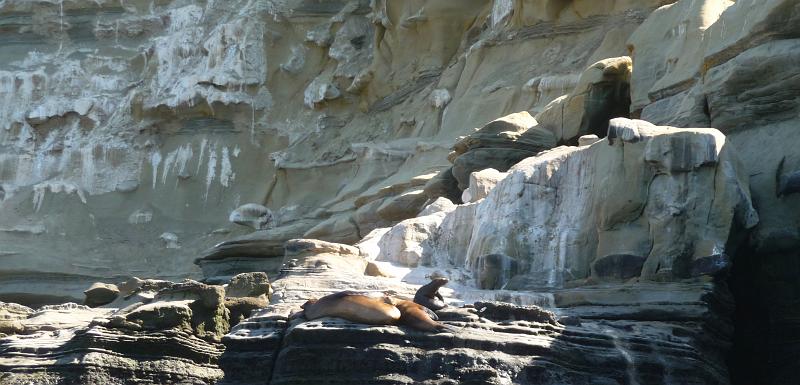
(130, 130)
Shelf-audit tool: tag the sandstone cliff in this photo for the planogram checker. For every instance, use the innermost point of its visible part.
(193, 139)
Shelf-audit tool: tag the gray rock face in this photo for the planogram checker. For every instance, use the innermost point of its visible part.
(95, 355)
(131, 130)
(499, 144)
(100, 294)
(594, 334)
(163, 332)
(647, 202)
(248, 285)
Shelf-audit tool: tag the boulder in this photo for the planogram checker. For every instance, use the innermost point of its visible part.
(260, 250)
(12, 316)
(443, 185)
(100, 294)
(499, 144)
(248, 285)
(241, 308)
(483, 158)
(252, 215)
(404, 243)
(481, 183)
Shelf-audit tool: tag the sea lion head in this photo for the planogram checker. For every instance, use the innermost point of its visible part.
(308, 303)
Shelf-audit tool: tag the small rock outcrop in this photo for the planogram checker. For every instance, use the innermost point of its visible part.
(100, 294)
(646, 202)
(499, 144)
(252, 215)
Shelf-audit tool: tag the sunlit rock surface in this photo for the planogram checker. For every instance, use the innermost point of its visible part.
(132, 130)
(653, 333)
(649, 202)
(124, 121)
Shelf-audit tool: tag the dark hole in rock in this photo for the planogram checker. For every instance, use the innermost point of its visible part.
(766, 318)
(358, 41)
(745, 359)
(606, 100)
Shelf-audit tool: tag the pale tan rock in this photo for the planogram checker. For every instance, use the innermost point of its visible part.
(482, 182)
(667, 49)
(405, 242)
(296, 247)
(324, 256)
(403, 206)
(600, 94)
(587, 140)
(439, 205)
(100, 294)
(369, 246)
(615, 211)
(374, 270)
(248, 285)
(12, 317)
(499, 130)
(756, 23)
(340, 228)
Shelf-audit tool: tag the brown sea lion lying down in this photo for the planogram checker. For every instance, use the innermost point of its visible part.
(357, 307)
(354, 307)
(418, 317)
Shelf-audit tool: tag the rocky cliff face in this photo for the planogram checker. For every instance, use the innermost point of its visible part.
(469, 139)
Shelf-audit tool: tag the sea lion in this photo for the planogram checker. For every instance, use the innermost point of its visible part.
(353, 306)
(417, 316)
(429, 296)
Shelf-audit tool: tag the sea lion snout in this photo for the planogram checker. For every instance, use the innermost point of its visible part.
(308, 303)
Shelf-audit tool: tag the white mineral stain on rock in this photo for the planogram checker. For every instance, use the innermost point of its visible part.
(55, 187)
(501, 9)
(226, 174)
(170, 240)
(140, 216)
(155, 161)
(440, 97)
(211, 171)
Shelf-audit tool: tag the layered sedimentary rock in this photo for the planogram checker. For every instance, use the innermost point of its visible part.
(134, 129)
(725, 69)
(636, 333)
(646, 202)
(156, 332)
(139, 136)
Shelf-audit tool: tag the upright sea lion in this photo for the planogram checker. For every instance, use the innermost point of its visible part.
(429, 296)
(353, 306)
(417, 316)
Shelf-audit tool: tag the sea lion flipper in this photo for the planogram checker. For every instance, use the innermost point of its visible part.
(297, 314)
(431, 313)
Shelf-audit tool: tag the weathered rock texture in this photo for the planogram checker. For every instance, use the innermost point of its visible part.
(132, 131)
(648, 202)
(157, 332)
(630, 333)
